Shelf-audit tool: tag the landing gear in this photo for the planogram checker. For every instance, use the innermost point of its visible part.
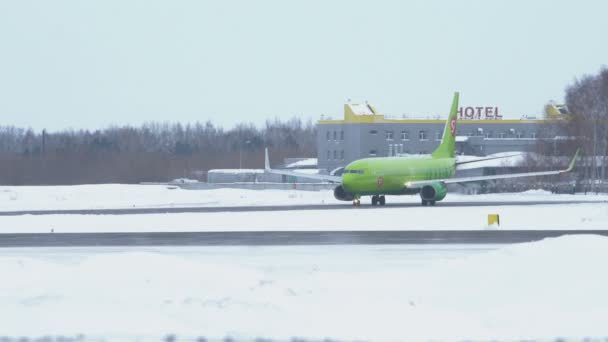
(356, 202)
(425, 203)
(378, 200)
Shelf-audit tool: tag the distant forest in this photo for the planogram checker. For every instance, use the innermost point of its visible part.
(153, 152)
(158, 152)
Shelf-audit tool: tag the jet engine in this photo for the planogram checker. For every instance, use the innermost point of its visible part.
(433, 192)
(343, 195)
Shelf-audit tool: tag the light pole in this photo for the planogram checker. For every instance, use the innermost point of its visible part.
(241, 154)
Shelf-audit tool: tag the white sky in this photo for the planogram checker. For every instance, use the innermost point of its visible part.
(89, 64)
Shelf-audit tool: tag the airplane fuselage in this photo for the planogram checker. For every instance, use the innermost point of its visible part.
(389, 176)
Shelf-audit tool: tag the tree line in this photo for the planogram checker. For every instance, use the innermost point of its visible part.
(584, 126)
(157, 152)
(152, 152)
(587, 100)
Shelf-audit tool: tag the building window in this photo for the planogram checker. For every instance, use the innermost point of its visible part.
(533, 135)
(328, 155)
(372, 153)
(335, 155)
(405, 135)
(373, 131)
(422, 136)
(335, 135)
(437, 135)
(501, 135)
(341, 135)
(328, 136)
(520, 135)
(389, 135)
(488, 134)
(342, 155)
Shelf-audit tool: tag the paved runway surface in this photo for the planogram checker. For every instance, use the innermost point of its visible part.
(285, 238)
(346, 205)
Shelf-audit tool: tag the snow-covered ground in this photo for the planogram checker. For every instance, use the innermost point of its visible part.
(556, 215)
(546, 289)
(106, 196)
(553, 216)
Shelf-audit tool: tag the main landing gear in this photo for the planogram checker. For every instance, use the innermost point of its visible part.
(425, 203)
(377, 199)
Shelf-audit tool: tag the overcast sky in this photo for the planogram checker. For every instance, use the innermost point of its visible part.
(90, 64)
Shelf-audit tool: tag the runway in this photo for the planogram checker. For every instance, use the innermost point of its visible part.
(284, 238)
(339, 206)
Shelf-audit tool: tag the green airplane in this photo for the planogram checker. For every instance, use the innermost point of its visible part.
(429, 177)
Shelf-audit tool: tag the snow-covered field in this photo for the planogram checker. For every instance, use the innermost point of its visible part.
(557, 215)
(547, 289)
(115, 196)
(552, 216)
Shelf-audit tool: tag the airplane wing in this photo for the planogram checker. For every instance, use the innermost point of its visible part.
(419, 184)
(327, 178)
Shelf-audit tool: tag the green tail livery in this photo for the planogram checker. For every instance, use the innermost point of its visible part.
(427, 176)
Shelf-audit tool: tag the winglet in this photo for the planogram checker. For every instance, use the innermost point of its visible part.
(571, 166)
(266, 160)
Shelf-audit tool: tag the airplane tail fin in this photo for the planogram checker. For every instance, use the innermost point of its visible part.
(446, 148)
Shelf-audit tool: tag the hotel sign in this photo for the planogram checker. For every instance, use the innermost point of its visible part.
(479, 113)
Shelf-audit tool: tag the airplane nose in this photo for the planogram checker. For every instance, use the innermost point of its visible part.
(346, 180)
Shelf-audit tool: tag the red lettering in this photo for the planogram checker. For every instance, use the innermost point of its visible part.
(489, 112)
(479, 112)
(469, 112)
(498, 117)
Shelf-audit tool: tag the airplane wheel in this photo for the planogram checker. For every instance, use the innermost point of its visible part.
(382, 200)
(374, 200)
(424, 203)
(432, 202)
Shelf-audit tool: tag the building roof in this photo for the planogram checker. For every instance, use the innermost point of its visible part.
(366, 113)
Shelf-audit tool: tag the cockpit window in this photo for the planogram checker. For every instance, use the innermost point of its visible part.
(359, 172)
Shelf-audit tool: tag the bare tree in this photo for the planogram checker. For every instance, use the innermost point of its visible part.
(587, 99)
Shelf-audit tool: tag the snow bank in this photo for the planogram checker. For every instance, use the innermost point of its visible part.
(309, 162)
(106, 196)
(542, 290)
(506, 159)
